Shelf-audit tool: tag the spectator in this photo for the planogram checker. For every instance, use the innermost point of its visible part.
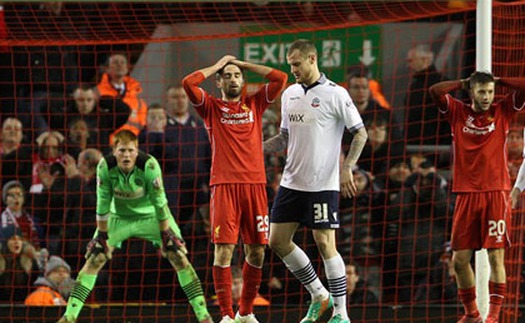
(237, 283)
(379, 149)
(193, 155)
(370, 109)
(514, 151)
(360, 216)
(80, 204)
(375, 87)
(79, 137)
(54, 287)
(440, 284)
(16, 157)
(422, 210)
(398, 172)
(43, 74)
(13, 196)
(102, 115)
(17, 265)
(356, 287)
(48, 185)
(424, 124)
(116, 83)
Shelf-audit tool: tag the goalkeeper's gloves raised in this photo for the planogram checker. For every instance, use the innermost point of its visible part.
(98, 245)
(170, 242)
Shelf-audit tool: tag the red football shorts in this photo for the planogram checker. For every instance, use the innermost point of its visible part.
(481, 220)
(239, 208)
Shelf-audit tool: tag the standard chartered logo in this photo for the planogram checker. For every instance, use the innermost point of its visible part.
(237, 118)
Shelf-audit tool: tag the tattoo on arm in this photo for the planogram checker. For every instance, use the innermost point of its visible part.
(356, 147)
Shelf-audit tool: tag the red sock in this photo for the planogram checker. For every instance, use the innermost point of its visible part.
(467, 296)
(222, 280)
(252, 277)
(497, 295)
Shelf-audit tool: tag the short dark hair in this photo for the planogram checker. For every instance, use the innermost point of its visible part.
(175, 86)
(304, 46)
(480, 77)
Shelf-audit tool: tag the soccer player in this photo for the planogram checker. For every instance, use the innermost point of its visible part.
(481, 181)
(314, 113)
(238, 203)
(131, 203)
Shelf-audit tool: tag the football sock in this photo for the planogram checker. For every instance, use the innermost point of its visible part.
(191, 285)
(252, 277)
(222, 280)
(79, 294)
(299, 264)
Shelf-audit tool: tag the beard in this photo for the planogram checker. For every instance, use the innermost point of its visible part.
(233, 93)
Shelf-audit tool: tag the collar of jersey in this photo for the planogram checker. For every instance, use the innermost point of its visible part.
(321, 80)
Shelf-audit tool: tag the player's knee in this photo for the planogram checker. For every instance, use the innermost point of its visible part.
(496, 259)
(276, 243)
(255, 256)
(176, 259)
(460, 262)
(96, 262)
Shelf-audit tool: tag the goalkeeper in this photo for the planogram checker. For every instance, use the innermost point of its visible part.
(131, 203)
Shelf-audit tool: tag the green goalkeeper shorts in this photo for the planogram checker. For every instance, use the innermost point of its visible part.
(121, 229)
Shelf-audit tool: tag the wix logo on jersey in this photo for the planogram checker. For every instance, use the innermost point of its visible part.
(296, 117)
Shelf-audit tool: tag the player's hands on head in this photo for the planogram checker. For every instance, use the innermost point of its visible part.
(348, 187)
(170, 242)
(225, 60)
(99, 245)
(515, 197)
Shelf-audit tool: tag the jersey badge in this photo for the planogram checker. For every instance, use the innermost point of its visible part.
(245, 108)
(217, 231)
(139, 182)
(316, 103)
(157, 183)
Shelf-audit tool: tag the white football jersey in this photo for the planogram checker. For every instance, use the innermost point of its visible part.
(315, 118)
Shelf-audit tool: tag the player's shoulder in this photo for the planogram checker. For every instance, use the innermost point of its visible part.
(144, 160)
(294, 88)
(333, 88)
(108, 162)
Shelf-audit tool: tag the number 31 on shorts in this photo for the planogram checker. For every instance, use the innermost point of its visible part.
(497, 228)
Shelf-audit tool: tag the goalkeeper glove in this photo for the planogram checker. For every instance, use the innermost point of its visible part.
(170, 242)
(98, 245)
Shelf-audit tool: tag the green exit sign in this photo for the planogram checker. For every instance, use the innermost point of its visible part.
(338, 50)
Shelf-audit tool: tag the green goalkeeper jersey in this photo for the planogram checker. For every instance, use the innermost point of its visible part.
(139, 193)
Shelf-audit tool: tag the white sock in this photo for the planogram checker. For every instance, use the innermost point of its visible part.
(299, 264)
(335, 273)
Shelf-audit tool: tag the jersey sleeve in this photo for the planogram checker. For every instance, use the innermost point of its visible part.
(284, 113)
(509, 104)
(196, 95)
(348, 112)
(104, 189)
(155, 189)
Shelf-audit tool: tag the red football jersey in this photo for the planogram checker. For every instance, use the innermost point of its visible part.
(235, 130)
(479, 141)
